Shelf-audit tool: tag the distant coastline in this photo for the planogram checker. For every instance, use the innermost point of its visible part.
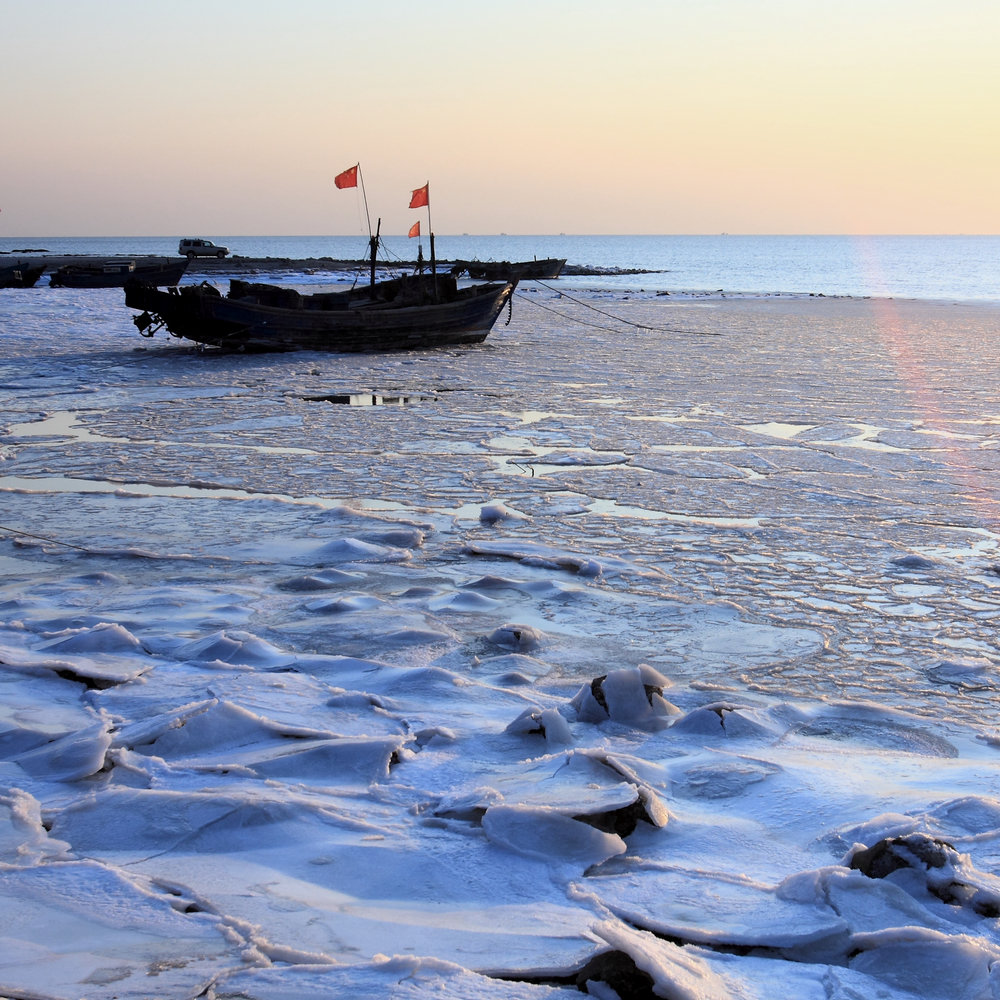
(237, 264)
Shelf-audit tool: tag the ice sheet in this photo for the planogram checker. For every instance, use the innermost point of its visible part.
(597, 661)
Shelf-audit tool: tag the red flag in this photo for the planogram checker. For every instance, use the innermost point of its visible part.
(348, 179)
(414, 230)
(421, 197)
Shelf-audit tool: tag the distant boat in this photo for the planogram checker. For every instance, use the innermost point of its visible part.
(550, 267)
(20, 275)
(407, 313)
(114, 274)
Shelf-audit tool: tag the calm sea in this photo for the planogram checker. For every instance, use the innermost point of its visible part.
(922, 267)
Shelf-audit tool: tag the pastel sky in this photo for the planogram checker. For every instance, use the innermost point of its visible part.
(231, 117)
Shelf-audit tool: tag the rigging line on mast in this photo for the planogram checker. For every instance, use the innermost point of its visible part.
(364, 195)
(617, 319)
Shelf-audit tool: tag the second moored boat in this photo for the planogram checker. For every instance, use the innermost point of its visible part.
(115, 273)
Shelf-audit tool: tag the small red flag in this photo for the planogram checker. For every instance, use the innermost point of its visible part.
(414, 230)
(347, 179)
(421, 196)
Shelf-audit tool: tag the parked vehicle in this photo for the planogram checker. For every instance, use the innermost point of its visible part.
(192, 248)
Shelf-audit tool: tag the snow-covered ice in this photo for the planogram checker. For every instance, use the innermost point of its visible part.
(647, 663)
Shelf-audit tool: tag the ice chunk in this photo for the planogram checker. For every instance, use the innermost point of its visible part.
(548, 835)
(632, 697)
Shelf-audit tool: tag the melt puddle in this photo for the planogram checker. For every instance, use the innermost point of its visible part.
(614, 509)
(66, 425)
(368, 399)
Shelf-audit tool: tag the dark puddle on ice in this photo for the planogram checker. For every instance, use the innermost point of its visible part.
(368, 399)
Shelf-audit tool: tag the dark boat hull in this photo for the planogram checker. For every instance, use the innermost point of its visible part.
(115, 274)
(20, 275)
(504, 270)
(404, 314)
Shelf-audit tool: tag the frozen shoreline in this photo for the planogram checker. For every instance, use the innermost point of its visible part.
(319, 682)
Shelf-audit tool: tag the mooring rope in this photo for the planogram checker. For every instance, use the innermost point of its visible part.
(572, 319)
(603, 312)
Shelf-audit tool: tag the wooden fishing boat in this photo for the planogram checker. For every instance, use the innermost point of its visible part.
(115, 273)
(406, 313)
(20, 275)
(502, 270)
(410, 312)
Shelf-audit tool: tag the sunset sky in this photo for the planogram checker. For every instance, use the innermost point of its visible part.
(229, 117)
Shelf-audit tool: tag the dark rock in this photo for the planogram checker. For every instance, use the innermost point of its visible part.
(620, 973)
(948, 874)
(620, 821)
(893, 853)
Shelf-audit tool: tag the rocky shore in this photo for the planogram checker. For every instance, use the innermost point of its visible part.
(271, 265)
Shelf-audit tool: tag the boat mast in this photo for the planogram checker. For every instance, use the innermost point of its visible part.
(373, 247)
(434, 273)
(431, 228)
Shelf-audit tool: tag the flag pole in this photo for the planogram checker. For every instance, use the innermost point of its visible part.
(421, 197)
(372, 240)
(349, 178)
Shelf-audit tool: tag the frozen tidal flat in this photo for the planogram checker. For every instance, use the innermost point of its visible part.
(648, 662)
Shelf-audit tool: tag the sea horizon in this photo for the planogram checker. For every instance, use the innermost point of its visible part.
(935, 267)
